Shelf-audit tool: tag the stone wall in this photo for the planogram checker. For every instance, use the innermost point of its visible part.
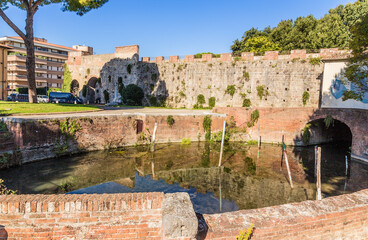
(38, 139)
(282, 82)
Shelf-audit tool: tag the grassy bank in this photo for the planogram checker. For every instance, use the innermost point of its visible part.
(14, 108)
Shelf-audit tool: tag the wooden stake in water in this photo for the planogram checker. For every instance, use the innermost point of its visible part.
(346, 165)
(315, 160)
(319, 193)
(154, 138)
(222, 144)
(287, 164)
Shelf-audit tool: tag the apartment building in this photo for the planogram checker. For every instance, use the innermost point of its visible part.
(3, 71)
(50, 60)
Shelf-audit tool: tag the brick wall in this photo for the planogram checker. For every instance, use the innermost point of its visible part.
(276, 122)
(41, 139)
(107, 216)
(341, 217)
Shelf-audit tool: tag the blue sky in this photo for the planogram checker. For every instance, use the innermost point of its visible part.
(165, 27)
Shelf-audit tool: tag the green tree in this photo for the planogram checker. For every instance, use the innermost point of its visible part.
(238, 46)
(280, 34)
(357, 68)
(330, 32)
(299, 35)
(31, 7)
(67, 83)
(259, 45)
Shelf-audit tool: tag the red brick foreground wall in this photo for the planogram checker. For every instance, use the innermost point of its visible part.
(107, 216)
(341, 217)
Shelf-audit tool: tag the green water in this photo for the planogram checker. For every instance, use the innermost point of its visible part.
(249, 177)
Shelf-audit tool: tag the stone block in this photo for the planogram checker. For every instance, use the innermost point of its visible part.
(178, 217)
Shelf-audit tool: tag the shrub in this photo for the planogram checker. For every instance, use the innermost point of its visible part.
(170, 120)
(88, 71)
(305, 97)
(212, 102)
(200, 99)
(217, 137)
(199, 55)
(315, 61)
(230, 90)
(154, 76)
(133, 95)
(247, 102)
(106, 96)
(182, 94)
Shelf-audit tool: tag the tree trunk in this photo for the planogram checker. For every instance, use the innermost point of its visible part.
(31, 61)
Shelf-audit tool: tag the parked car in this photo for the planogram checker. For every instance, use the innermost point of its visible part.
(42, 99)
(62, 97)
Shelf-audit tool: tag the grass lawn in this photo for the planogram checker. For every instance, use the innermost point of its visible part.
(13, 108)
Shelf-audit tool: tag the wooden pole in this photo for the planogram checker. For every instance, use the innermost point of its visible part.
(222, 144)
(287, 163)
(220, 188)
(288, 169)
(154, 138)
(259, 136)
(315, 160)
(319, 193)
(346, 165)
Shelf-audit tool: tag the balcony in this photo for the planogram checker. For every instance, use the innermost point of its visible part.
(23, 78)
(15, 58)
(42, 53)
(19, 68)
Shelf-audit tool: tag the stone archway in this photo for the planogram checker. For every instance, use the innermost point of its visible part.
(74, 87)
(91, 90)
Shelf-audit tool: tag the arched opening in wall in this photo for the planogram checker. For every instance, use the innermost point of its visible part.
(91, 90)
(335, 139)
(327, 130)
(74, 87)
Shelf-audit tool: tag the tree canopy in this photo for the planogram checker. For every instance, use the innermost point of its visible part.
(332, 30)
(356, 72)
(31, 7)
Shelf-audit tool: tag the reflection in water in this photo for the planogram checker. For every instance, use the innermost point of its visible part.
(249, 177)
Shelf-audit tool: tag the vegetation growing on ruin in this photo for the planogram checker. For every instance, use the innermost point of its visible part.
(154, 77)
(67, 83)
(305, 97)
(69, 128)
(247, 102)
(315, 61)
(153, 101)
(262, 92)
(254, 116)
(84, 91)
(170, 120)
(207, 122)
(211, 102)
(3, 127)
(230, 90)
(329, 121)
(246, 75)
